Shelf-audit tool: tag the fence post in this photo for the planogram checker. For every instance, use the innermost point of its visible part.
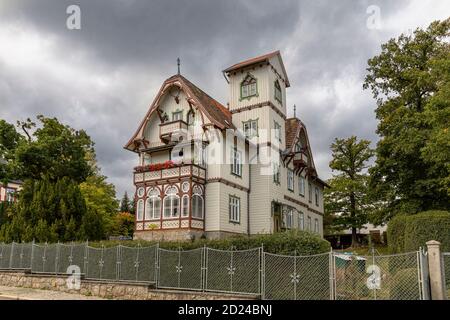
(436, 271)
(58, 250)
(156, 263)
(86, 259)
(21, 255)
(331, 270)
(11, 255)
(118, 262)
(32, 255)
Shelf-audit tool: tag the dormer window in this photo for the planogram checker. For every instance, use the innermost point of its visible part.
(248, 87)
(278, 95)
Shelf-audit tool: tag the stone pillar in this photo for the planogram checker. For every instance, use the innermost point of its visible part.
(436, 271)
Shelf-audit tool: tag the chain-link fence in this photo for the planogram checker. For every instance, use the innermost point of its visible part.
(297, 277)
(181, 269)
(233, 271)
(378, 277)
(446, 263)
(270, 276)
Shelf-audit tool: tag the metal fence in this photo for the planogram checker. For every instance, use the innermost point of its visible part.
(252, 272)
(446, 264)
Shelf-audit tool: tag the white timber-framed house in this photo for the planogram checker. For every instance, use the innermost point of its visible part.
(206, 170)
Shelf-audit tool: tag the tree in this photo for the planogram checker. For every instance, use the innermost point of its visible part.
(124, 224)
(410, 80)
(100, 197)
(55, 150)
(348, 199)
(10, 139)
(125, 203)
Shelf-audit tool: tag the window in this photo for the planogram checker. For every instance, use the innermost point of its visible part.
(236, 162)
(289, 219)
(316, 196)
(290, 180)
(9, 196)
(301, 186)
(185, 206)
(190, 118)
(309, 226)
(309, 192)
(276, 173)
(177, 115)
(316, 225)
(153, 205)
(171, 203)
(298, 147)
(250, 128)
(278, 95)
(197, 206)
(234, 209)
(301, 221)
(277, 127)
(248, 87)
(140, 210)
(140, 192)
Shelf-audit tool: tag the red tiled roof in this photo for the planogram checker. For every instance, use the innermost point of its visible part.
(251, 61)
(292, 127)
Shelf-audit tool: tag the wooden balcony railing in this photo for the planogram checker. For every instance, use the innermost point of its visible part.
(172, 130)
(147, 174)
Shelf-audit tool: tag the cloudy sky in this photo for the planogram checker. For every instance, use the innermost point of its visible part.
(103, 77)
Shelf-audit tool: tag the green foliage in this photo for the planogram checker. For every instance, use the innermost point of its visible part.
(123, 224)
(409, 232)
(125, 203)
(54, 150)
(401, 285)
(410, 80)
(100, 199)
(347, 199)
(290, 242)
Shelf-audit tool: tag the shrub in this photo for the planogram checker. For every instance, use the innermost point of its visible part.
(395, 233)
(299, 242)
(408, 233)
(403, 285)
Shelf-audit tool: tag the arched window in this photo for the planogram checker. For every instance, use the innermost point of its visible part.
(171, 203)
(185, 206)
(197, 202)
(140, 210)
(278, 95)
(190, 117)
(248, 87)
(153, 205)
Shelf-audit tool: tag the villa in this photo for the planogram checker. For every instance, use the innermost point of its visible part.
(210, 170)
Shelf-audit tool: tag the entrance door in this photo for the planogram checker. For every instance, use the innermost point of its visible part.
(276, 217)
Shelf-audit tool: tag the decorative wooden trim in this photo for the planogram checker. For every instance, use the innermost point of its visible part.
(228, 183)
(260, 105)
(303, 205)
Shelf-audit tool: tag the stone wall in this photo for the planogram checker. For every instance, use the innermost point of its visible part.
(104, 289)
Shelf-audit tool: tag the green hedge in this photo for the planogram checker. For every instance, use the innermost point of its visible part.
(409, 232)
(299, 242)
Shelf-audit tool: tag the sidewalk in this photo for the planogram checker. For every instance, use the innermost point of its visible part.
(13, 293)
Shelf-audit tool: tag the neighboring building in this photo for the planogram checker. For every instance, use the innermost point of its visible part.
(210, 170)
(343, 239)
(8, 192)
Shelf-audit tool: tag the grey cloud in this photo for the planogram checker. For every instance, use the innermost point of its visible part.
(134, 45)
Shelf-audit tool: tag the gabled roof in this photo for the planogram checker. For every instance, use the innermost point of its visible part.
(219, 115)
(259, 59)
(293, 128)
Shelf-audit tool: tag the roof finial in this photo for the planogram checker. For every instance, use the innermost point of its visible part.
(178, 63)
(295, 108)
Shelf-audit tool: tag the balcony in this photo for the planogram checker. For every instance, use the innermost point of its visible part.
(172, 131)
(300, 159)
(167, 170)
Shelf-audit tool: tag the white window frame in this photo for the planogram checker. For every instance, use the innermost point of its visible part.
(301, 221)
(140, 210)
(278, 95)
(276, 172)
(289, 219)
(316, 195)
(277, 127)
(309, 223)
(290, 179)
(316, 225)
(301, 185)
(178, 114)
(234, 208)
(173, 209)
(185, 206)
(151, 212)
(250, 128)
(197, 206)
(236, 162)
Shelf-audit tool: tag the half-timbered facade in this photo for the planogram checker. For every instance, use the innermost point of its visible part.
(209, 170)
